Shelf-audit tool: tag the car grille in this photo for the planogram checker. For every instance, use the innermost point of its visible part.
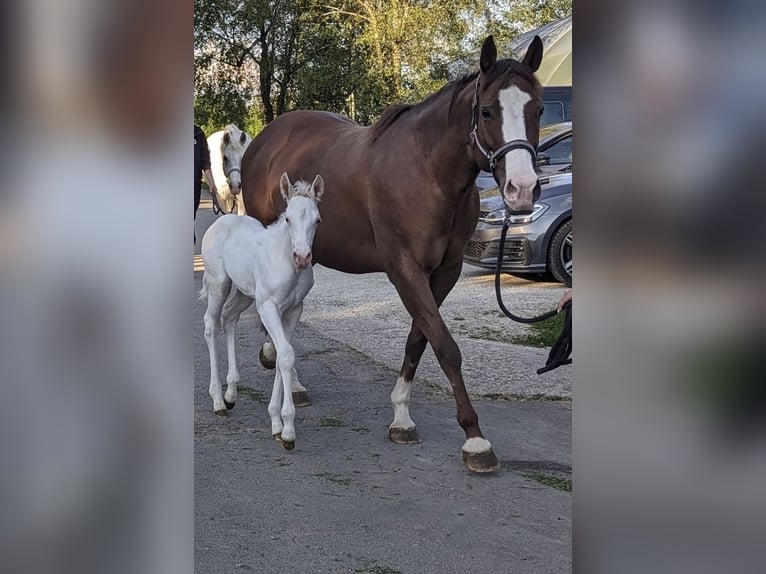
(516, 250)
(474, 249)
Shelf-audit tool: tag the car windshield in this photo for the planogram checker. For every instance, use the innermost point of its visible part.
(553, 130)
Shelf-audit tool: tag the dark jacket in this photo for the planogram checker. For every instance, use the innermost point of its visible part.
(201, 156)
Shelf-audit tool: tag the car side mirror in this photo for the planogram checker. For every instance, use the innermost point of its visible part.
(543, 159)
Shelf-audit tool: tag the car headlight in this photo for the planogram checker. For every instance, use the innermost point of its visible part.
(497, 216)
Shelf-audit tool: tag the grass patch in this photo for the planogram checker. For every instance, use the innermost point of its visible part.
(332, 422)
(490, 334)
(551, 480)
(542, 334)
(336, 478)
(253, 394)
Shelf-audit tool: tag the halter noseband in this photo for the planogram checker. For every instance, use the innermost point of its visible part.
(494, 156)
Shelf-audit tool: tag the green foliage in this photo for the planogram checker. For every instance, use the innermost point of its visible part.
(256, 59)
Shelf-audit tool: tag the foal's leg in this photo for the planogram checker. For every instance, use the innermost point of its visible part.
(272, 320)
(268, 355)
(217, 291)
(290, 321)
(413, 286)
(275, 407)
(233, 308)
(402, 430)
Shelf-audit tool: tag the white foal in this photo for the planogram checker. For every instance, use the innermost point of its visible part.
(271, 266)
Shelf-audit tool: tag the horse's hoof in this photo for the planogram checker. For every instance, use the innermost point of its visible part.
(223, 413)
(404, 436)
(301, 399)
(481, 461)
(229, 405)
(267, 364)
(277, 437)
(288, 444)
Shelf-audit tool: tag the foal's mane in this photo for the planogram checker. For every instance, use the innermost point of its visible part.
(453, 88)
(303, 188)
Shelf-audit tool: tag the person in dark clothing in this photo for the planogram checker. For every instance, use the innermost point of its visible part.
(201, 167)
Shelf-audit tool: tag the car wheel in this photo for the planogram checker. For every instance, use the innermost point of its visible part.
(560, 254)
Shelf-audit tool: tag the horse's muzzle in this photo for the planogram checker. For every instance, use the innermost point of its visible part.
(302, 261)
(521, 201)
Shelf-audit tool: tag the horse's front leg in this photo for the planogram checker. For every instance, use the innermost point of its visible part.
(402, 430)
(232, 310)
(414, 288)
(272, 320)
(290, 320)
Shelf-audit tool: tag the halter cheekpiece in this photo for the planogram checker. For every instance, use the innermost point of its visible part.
(494, 156)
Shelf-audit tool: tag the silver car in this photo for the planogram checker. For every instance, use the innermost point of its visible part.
(535, 243)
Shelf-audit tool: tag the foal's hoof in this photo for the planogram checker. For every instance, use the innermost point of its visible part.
(288, 444)
(481, 461)
(404, 436)
(223, 413)
(301, 399)
(265, 361)
(229, 405)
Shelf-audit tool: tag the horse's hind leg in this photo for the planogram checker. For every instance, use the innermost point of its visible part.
(217, 291)
(402, 430)
(233, 308)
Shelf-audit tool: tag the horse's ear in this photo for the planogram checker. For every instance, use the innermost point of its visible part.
(488, 54)
(534, 54)
(242, 138)
(226, 137)
(317, 187)
(285, 186)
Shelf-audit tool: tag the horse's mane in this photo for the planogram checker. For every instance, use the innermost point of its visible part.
(453, 88)
(303, 188)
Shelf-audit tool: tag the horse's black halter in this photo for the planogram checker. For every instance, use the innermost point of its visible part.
(494, 156)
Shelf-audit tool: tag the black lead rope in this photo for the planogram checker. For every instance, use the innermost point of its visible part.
(562, 348)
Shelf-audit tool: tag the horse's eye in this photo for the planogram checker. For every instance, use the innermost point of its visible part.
(486, 113)
(287, 220)
(319, 219)
(539, 115)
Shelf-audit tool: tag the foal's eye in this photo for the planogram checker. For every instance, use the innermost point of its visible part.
(225, 159)
(319, 219)
(287, 220)
(540, 114)
(486, 113)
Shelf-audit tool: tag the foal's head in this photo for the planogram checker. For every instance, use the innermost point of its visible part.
(507, 110)
(233, 148)
(302, 215)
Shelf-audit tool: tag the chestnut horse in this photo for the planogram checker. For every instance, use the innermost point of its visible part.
(400, 199)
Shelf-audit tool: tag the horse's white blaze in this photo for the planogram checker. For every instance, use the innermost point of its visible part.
(400, 399)
(477, 445)
(520, 176)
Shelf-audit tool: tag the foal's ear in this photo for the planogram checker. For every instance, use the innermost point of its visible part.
(534, 54)
(317, 186)
(488, 54)
(285, 186)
